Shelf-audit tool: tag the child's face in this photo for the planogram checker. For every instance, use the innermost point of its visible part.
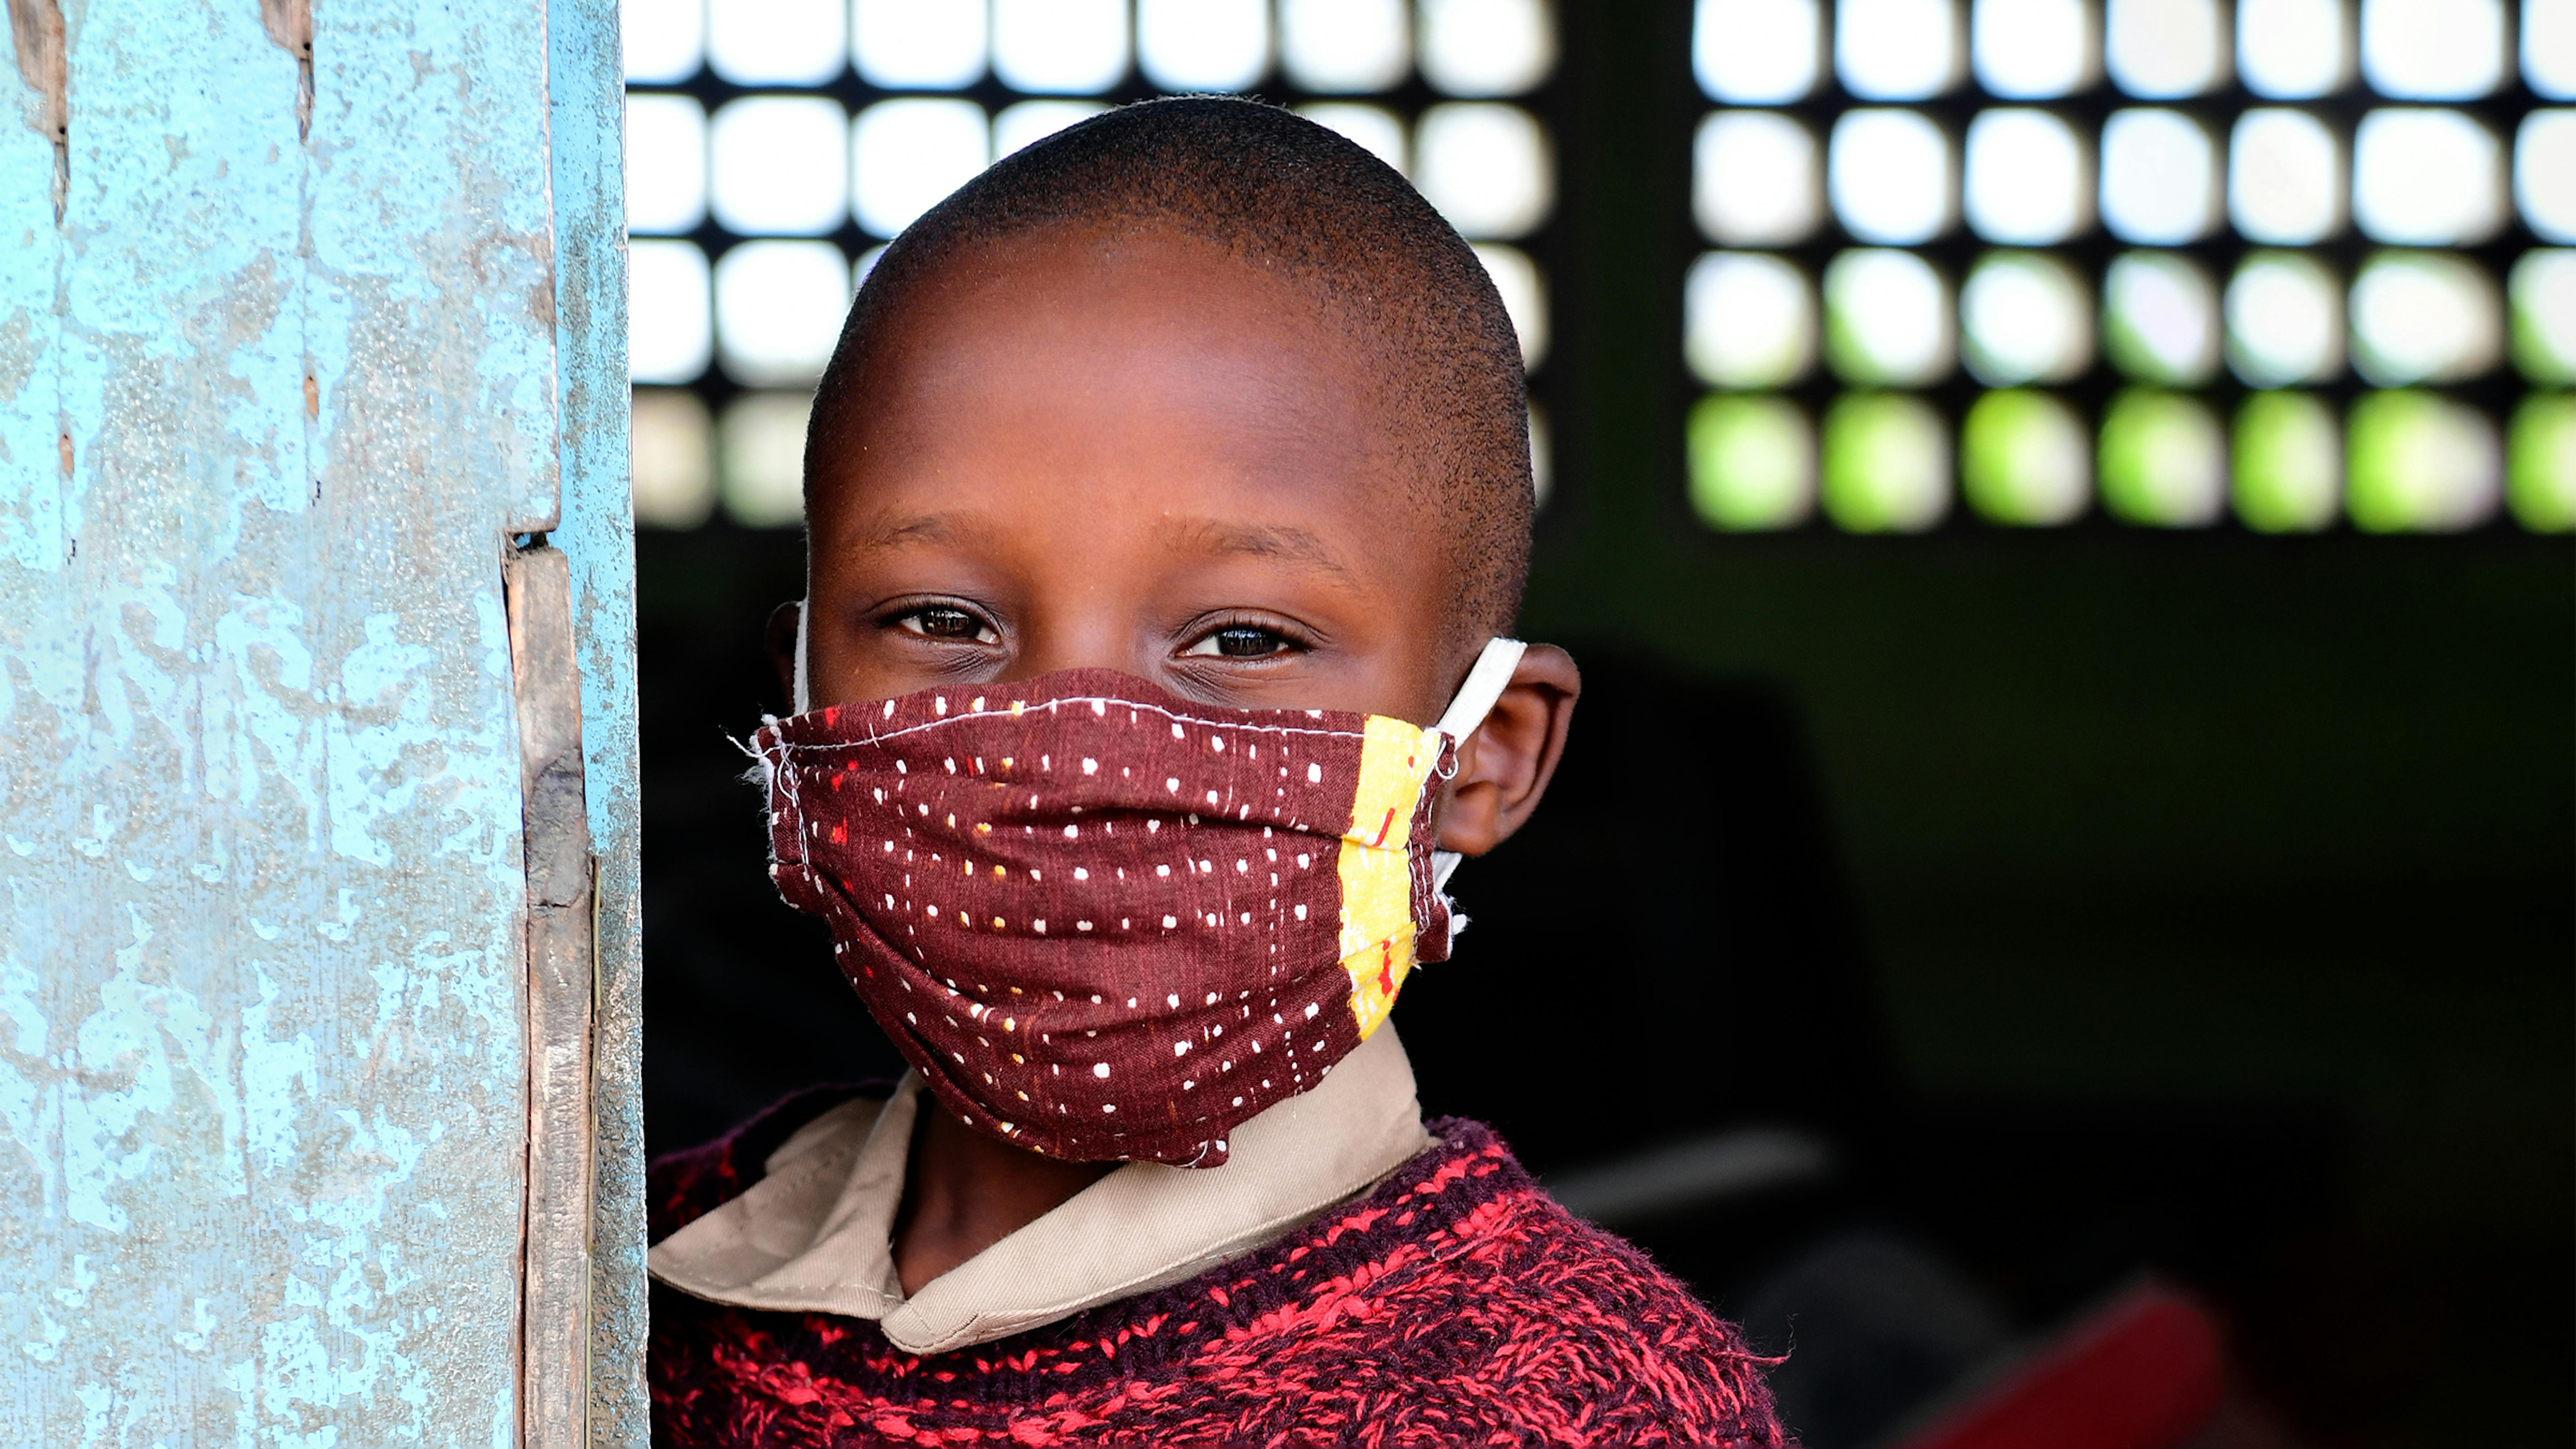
(1137, 455)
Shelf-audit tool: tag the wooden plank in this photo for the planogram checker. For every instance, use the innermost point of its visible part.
(264, 1051)
(587, 89)
(555, 1308)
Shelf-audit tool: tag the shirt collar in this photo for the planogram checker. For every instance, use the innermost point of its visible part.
(815, 1234)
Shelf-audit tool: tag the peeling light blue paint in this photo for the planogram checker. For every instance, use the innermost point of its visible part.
(588, 95)
(268, 407)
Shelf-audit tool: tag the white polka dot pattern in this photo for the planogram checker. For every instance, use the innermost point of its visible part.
(1103, 922)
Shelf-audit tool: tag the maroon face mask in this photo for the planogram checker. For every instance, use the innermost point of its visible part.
(1104, 922)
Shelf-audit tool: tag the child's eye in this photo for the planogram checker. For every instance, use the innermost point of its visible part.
(1242, 641)
(941, 622)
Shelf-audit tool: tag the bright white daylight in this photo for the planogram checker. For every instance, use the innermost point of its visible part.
(2288, 189)
(2238, 154)
(773, 145)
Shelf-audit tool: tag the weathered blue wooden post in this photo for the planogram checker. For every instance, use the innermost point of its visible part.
(317, 786)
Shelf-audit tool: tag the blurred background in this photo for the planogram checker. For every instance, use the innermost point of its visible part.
(2063, 507)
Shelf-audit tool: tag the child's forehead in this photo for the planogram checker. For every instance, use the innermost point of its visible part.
(1144, 414)
(1083, 341)
(1074, 287)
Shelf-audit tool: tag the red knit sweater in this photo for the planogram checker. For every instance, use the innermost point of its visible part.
(1455, 1304)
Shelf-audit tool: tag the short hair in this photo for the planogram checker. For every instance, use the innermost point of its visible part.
(1294, 198)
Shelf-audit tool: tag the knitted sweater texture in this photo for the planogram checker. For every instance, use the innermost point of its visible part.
(1455, 1304)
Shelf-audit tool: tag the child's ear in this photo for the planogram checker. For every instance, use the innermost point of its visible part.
(1504, 766)
(780, 637)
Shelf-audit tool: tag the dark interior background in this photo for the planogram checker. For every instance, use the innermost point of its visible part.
(2197, 902)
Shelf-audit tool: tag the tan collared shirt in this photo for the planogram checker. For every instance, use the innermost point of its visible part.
(816, 1233)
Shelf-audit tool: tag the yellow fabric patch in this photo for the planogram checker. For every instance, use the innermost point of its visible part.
(1377, 885)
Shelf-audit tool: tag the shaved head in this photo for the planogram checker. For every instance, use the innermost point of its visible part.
(1332, 232)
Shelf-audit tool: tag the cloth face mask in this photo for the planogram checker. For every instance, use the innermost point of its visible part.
(1104, 922)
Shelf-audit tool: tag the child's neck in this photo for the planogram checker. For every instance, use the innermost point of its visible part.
(963, 1192)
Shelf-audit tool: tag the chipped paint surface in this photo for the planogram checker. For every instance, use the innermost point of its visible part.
(267, 407)
(587, 81)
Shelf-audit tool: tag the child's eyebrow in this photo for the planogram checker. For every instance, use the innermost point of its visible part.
(915, 528)
(1285, 542)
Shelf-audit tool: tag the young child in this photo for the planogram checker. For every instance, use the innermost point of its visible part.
(1169, 479)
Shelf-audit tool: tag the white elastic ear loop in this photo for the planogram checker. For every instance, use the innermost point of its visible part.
(804, 699)
(1485, 684)
(1467, 710)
